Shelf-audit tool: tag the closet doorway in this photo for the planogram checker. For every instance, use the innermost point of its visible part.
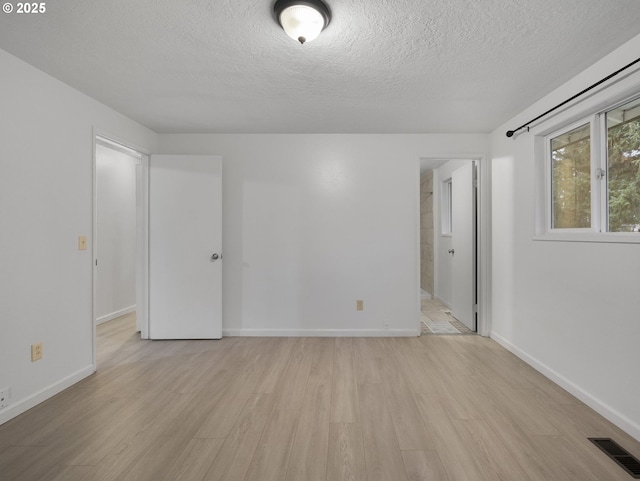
(119, 240)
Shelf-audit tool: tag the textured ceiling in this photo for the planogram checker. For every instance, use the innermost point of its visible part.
(381, 66)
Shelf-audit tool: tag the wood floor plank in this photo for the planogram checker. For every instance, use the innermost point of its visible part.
(308, 460)
(344, 401)
(195, 460)
(291, 391)
(441, 358)
(424, 466)
(251, 372)
(61, 410)
(560, 461)
(155, 461)
(187, 424)
(577, 424)
(14, 460)
(271, 458)
(68, 445)
(504, 367)
(91, 444)
(364, 362)
(277, 367)
(237, 451)
(456, 455)
(346, 461)
(136, 438)
(583, 422)
(462, 397)
(254, 371)
(419, 376)
(127, 379)
(51, 420)
(554, 393)
(518, 444)
(220, 420)
(204, 368)
(410, 429)
(492, 456)
(521, 405)
(239, 384)
(67, 473)
(382, 452)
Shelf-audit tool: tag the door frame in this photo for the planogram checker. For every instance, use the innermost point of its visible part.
(483, 234)
(142, 210)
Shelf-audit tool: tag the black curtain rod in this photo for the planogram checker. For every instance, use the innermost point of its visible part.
(511, 132)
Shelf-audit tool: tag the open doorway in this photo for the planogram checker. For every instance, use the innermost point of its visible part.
(119, 233)
(450, 246)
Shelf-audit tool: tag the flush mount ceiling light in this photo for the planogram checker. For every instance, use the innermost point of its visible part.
(302, 20)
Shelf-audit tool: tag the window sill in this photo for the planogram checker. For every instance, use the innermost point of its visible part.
(606, 238)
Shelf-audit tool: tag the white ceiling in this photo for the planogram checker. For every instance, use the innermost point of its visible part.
(382, 66)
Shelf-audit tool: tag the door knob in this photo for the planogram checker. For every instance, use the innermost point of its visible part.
(451, 251)
(215, 257)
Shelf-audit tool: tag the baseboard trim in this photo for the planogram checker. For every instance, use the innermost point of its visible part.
(23, 405)
(113, 315)
(321, 332)
(617, 418)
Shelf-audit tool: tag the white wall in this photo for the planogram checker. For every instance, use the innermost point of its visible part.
(313, 222)
(571, 309)
(46, 162)
(443, 242)
(116, 243)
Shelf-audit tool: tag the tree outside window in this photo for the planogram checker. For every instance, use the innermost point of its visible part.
(623, 169)
(571, 179)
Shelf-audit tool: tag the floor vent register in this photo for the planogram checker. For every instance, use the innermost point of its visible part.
(626, 460)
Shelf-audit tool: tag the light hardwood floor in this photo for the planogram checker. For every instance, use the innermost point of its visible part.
(302, 409)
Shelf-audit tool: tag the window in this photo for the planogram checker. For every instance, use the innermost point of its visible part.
(623, 168)
(571, 179)
(447, 213)
(593, 173)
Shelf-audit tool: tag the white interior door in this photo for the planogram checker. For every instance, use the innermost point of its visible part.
(185, 242)
(463, 215)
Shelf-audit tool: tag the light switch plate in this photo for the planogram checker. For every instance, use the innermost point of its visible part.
(82, 243)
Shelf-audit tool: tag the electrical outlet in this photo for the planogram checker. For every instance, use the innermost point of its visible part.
(5, 397)
(359, 305)
(36, 352)
(386, 325)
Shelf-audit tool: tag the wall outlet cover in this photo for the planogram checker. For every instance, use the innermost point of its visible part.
(36, 352)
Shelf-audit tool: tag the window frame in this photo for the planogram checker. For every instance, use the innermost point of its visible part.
(599, 180)
(549, 175)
